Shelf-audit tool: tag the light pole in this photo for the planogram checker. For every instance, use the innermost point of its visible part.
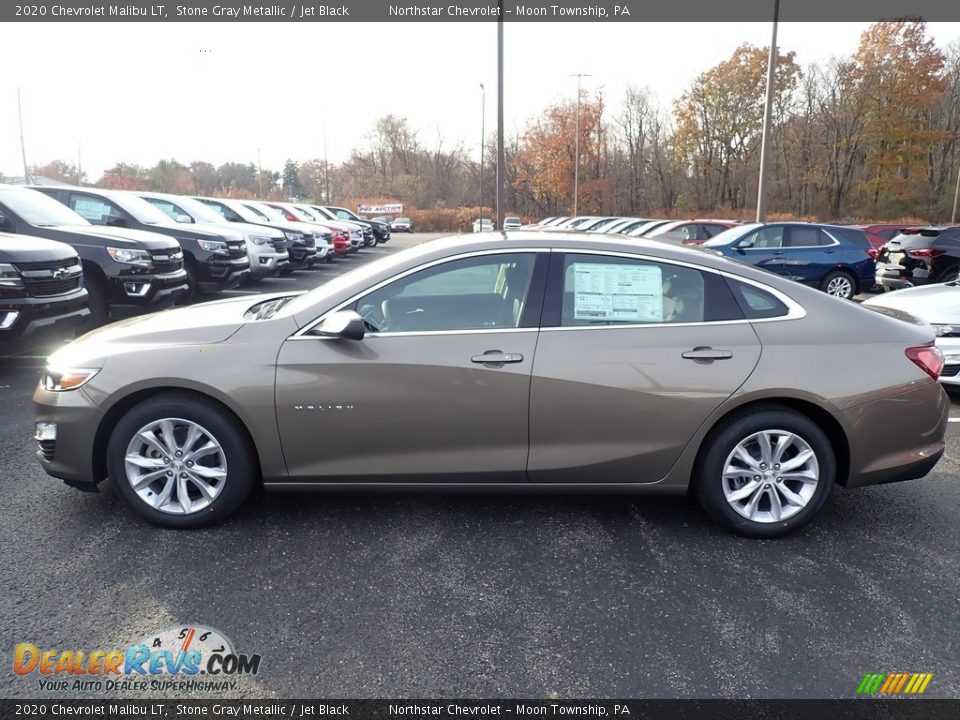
(767, 113)
(576, 150)
(956, 196)
(326, 165)
(501, 142)
(483, 114)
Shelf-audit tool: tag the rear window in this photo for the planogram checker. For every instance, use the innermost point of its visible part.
(858, 237)
(755, 303)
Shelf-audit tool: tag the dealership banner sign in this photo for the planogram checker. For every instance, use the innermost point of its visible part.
(388, 209)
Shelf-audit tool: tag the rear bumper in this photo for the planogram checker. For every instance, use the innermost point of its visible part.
(897, 438)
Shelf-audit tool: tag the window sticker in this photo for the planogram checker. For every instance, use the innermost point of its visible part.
(617, 293)
(89, 209)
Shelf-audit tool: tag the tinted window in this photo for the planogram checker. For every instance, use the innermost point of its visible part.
(755, 303)
(169, 209)
(712, 230)
(852, 235)
(484, 292)
(807, 237)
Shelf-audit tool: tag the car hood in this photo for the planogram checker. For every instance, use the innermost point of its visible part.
(934, 303)
(203, 324)
(123, 237)
(17, 249)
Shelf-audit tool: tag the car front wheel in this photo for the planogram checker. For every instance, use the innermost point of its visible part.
(766, 473)
(181, 461)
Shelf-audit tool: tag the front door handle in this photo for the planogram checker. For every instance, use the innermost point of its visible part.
(496, 357)
(706, 354)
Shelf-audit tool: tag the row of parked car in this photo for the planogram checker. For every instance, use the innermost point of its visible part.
(842, 260)
(72, 258)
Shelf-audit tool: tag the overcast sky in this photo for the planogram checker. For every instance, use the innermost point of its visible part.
(140, 92)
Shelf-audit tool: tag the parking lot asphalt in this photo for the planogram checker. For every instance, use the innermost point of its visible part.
(380, 595)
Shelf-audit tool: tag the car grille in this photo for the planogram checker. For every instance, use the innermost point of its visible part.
(950, 371)
(48, 448)
(309, 241)
(237, 249)
(51, 278)
(279, 244)
(166, 262)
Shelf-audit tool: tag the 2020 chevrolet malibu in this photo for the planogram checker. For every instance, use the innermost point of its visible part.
(531, 360)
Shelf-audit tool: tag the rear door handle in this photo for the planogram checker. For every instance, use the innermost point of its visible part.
(495, 357)
(776, 252)
(706, 354)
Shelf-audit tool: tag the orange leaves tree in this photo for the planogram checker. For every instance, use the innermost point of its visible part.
(899, 72)
(719, 122)
(543, 159)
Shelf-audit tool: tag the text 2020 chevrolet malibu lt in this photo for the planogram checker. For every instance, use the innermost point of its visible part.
(528, 360)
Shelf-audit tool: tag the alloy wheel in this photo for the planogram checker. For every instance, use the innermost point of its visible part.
(770, 476)
(175, 466)
(840, 286)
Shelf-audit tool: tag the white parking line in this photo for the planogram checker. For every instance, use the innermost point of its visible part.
(953, 419)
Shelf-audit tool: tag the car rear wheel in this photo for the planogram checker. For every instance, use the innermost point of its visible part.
(839, 284)
(766, 473)
(180, 461)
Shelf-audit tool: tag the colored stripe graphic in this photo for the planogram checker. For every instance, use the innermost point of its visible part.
(894, 683)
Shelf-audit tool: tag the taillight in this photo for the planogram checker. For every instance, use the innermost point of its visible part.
(928, 358)
(872, 252)
(922, 253)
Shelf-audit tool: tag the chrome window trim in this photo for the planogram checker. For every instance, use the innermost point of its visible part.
(303, 333)
(795, 311)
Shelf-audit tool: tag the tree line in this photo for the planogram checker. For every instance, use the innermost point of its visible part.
(875, 135)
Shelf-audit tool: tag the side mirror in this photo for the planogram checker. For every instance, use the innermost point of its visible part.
(181, 218)
(745, 243)
(345, 324)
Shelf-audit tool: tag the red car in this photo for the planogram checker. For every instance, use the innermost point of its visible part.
(690, 232)
(879, 235)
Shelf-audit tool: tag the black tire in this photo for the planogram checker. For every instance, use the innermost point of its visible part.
(708, 478)
(241, 462)
(193, 287)
(839, 278)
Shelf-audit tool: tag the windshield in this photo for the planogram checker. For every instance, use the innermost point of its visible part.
(324, 213)
(309, 215)
(39, 210)
(269, 213)
(731, 235)
(343, 213)
(141, 210)
(402, 220)
(175, 207)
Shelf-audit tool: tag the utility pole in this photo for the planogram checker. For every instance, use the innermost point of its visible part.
(23, 149)
(501, 148)
(260, 173)
(326, 165)
(576, 151)
(767, 119)
(483, 114)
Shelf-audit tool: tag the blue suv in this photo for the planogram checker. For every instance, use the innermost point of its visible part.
(834, 258)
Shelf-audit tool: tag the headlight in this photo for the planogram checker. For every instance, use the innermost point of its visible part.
(10, 277)
(130, 256)
(293, 236)
(218, 247)
(947, 330)
(63, 379)
(259, 239)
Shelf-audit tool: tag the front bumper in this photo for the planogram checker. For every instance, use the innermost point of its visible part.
(217, 275)
(25, 322)
(900, 437)
(267, 264)
(135, 294)
(70, 457)
(950, 346)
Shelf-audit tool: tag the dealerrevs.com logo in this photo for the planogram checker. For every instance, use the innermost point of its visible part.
(183, 658)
